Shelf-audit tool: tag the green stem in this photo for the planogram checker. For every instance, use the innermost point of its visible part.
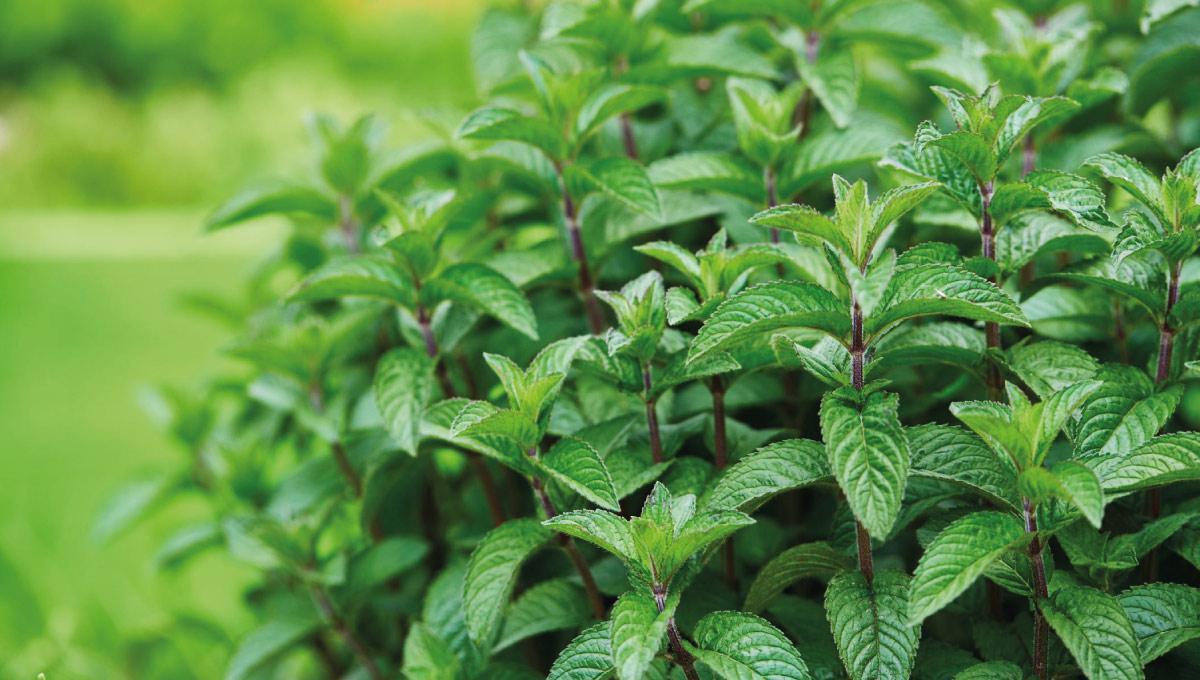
(339, 626)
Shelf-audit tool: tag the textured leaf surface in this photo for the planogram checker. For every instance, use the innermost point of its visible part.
(959, 555)
(636, 630)
(576, 464)
(487, 291)
(808, 560)
(403, 385)
(775, 468)
(1095, 629)
(492, 573)
(1124, 413)
(587, 657)
(741, 646)
(925, 290)
(868, 454)
(355, 276)
(953, 455)
(605, 529)
(870, 625)
(1166, 459)
(1164, 616)
(764, 309)
(548, 606)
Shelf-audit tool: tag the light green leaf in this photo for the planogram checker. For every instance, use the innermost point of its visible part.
(602, 528)
(496, 124)
(1132, 176)
(576, 464)
(929, 289)
(272, 199)
(1164, 616)
(872, 633)
(132, 503)
(622, 180)
(429, 657)
(834, 80)
(1154, 11)
(637, 629)
(492, 573)
(893, 204)
(610, 100)
(741, 646)
(868, 454)
(807, 560)
(588, 657)
(1166, 459)
(958, 556)
(1126, 412)
(972, 150)
(992, 670)
(809, 225)
(1070, 481)
(369, 276)
(1048, 366)
(708, 171)
(773, 469)
(759, 311)
(1095, 629)
(270, 641)
(486, 291)
(403, 385)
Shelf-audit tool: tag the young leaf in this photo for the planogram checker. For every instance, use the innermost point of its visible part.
(1131, 176)
(868, 454)
(268, 642)
(403, 385)
(356, 276)
(809, 225)
(552, 605)
(737, 645)
(870, 626)
(602, 528)
(622, 180)
(959, 555)
(953, 455)
(1124, 413)
(1095, 629)
(493, 123)
(925, 290)
(492, 573)
(1070, 481)
(270, 199)
(636, 631)
(1166, 459)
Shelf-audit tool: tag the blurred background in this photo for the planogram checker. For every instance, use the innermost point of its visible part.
(122, 123)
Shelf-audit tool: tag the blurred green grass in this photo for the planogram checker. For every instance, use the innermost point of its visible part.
(121, 123)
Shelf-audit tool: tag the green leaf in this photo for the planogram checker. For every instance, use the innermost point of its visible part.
(403, 385)
(610, 100)
(929, 289)
(270, 641)
(1069, 481)
(273, 199)
(482, 420)
(959, 555)
(383, 561)
(708, 171)
(992, 670)
(834, 80)
(485, 290)
(1126, 412)
(972, 150)
(1164, 616)
(807, 560)
(429, 657)
(741, 646)
(1074, 197)
(893, 204)
(133, 503)
(1131, 176)
(552, 605)
(680, 258)
(868, 454)
(492, 573)
(809, 225)
(873, 637)
(620, 179)
(496, 124)
(1154, 11)
(355, 276)
(955, 456)
(1095, 629)
(602, 528)
(1166, 459)
(637, 630)
(1048, 366)
(771, 470)
(588, 657)
(760, 311)
(576, 464)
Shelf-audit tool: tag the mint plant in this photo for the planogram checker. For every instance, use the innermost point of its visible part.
(883, 313)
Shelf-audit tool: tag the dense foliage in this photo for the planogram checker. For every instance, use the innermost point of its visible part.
(729, 338)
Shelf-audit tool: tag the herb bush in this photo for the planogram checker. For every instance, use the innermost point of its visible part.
(729, 338)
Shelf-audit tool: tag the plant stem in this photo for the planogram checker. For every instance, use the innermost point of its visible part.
(495, 507)
(866, 561)
(679, 655)
(595, 600)
(1166, 347)
(1040, 629)
(335, 621)
(987, 235)
(627, 137)
(317, 400)
(348, 223)
(591, 305)
(656, 448)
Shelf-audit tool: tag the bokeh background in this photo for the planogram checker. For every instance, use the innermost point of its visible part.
(122, 122)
